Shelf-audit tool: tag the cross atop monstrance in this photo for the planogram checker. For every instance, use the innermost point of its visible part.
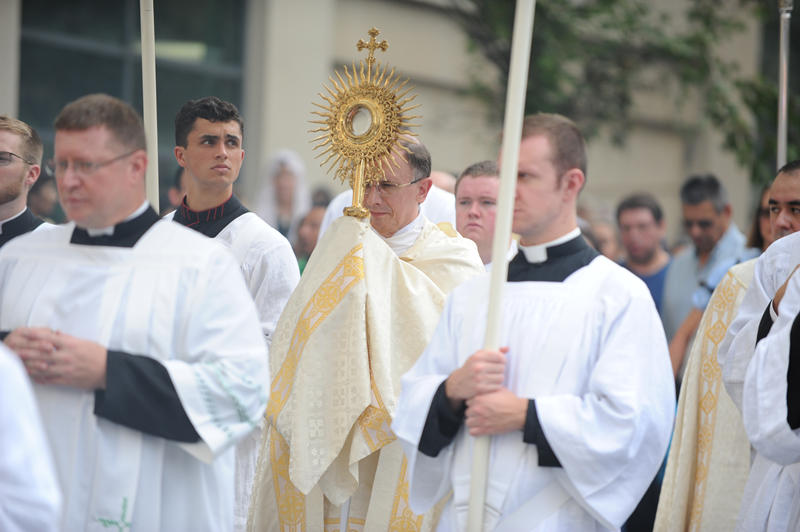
(372, 45)
(363, 122)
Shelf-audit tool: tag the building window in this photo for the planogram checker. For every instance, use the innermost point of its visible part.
(71, 48)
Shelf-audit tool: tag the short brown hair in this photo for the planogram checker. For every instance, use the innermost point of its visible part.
(479, 169)
(566, 140)
(29, 142)
(419, 159)
(95, 110)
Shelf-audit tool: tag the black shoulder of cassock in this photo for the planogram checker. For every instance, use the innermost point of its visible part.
(793, 374)
(126, 234)
(212, 221)
(793, 377)
(442, 423)
(140, 395)
(24, 223)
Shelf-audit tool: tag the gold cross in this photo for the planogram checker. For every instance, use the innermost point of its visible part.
(372, 45)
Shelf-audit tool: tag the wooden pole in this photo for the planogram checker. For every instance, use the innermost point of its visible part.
(785, 9)
(512, 135)
(149, 100)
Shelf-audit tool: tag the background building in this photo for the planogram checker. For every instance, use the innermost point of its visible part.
(271, 58)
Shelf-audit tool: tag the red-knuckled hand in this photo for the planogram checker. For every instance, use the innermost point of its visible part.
(52, 357)
(483, 372)
(497, 412)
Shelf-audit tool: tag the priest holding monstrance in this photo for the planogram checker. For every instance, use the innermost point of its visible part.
(365, 308)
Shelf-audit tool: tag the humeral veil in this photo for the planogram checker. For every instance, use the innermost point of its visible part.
(358, 320)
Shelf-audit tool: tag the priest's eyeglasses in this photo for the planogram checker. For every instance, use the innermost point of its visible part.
(81, 168)
(6, 158)
(388, 189)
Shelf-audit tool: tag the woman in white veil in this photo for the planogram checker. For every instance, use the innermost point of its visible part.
(284, 198)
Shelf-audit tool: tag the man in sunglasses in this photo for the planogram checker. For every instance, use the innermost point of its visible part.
(143, 341)
(20, 165)
(715, 238)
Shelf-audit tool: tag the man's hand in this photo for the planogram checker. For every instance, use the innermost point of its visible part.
(782, 291)
(52, 357)
(483, 372)
(496, 413)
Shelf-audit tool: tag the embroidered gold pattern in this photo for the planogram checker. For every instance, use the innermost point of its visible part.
(403, 519)
(347, 274)
(713, 328)
(375, 421)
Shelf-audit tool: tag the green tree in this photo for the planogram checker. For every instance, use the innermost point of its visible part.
(589, 58)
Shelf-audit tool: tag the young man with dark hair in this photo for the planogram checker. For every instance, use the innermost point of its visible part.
(20, 165)
(579, 401)
(208, 137)
(642, 228)
(144, 344)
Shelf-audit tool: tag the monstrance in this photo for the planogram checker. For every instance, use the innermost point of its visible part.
(363, 122)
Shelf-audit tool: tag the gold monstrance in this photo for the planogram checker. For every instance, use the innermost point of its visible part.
(363, 122)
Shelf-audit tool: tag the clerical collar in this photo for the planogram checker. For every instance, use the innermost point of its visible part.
(124, 235)
(539, 252)
(18, 224)
(109, 231)
(212, 221)
(401, 241)
(3, 222)
(562, 261)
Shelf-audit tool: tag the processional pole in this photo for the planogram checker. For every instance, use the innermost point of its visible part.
(149, 100)
(785, 9)
(512, 135)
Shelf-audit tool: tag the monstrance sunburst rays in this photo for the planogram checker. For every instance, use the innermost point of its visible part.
(363, 120)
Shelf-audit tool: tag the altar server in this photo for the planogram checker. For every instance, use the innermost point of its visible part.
(579, 401)
(208, 144)
(141, 337)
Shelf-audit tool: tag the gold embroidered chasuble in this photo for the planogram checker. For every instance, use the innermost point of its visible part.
(709, 459)
(358, 320)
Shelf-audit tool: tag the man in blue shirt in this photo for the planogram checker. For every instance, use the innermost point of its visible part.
(715, 238)
(642, 228)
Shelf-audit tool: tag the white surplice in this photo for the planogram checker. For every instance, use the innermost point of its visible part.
(271, 273)
(771, 499)
(30, 500)
(176, 296)
(608, 418)
(772, 269)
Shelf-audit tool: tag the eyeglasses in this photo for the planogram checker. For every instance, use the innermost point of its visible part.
(702, 224)
(81, 168)
(388, 189)
(5, 158)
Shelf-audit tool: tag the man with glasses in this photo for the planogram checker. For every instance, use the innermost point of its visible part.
(437, 208)
(208, 145)
(142, 340)
(20, 165)
(715, 238)
(365, 308)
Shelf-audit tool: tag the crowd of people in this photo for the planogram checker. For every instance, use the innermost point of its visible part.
(274, 365)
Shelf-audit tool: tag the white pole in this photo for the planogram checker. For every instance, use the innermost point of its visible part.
(512, 135)
(149, 100)
(785, 9)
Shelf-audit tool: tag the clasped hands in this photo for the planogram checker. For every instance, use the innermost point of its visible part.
(52, 357)
(491, 407)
